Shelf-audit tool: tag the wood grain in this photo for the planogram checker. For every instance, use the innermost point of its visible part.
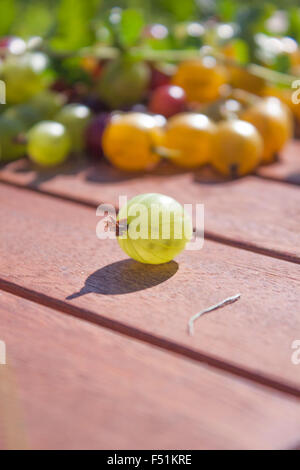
(252, 213)
(71, 385)
(49, 253)
(287, 169)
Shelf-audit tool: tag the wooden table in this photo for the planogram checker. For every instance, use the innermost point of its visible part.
(98, 354)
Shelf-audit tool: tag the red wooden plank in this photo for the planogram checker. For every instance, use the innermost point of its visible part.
(253, 213)
(49, 252)
(71, 385)
(287, 169)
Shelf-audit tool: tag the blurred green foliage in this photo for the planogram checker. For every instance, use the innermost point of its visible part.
(71, 24)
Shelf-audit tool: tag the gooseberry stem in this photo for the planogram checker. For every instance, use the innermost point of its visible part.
(165, 152)
(181, 55)
(141, 53)
(224, 302)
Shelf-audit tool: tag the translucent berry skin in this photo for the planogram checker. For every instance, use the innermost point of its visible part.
(159, 241)
(41, 107)
(23, 76)
(285, 95)
(48, 143)
(200, 79)
(167, 100)
(25, 112)
(129, 139)
(10, 129)
(48, 103)
(274, 122)
(75, 117)
(237, 149)
(191, 136)
(123, 83)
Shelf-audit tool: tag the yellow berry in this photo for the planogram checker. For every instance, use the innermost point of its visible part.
(274, 122)
(129, 141)
(244, 80)
(201, 79)
(285, 95)
(190, 136)
(237, 148)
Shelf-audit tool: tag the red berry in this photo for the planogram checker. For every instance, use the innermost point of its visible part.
(167, 100)
(94, 134)
(158, 78)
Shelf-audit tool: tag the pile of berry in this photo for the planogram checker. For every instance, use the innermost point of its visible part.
(199, 111)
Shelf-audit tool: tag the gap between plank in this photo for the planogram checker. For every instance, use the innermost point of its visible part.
(277, 180)
(249, 247)
(140, 335)
(295, 447)
(208, 235)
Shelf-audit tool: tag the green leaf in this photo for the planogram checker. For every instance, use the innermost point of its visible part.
(294, 20)
(74, 29)
(282, 63)
(36, 20)
(227, 9)
(241, 51)
(131, 25)
(182, 10)
(8, 8)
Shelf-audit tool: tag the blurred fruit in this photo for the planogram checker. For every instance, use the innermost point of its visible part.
(138, 108)
(94, 103)
(48, 143)
(157, 228)
(228, 50)
(48, 103)
(285, 95)
(223, 109)
(123, 82)
(128, 141)
(273, 121)
(242, 79)
(25, 112)
(92, 65)
(295, 57)
(190, 137)
(245, 98)
(11, 146)
(158, 132)
(201, 79)
(74, 93)
(75, 117)
(158, 78)
(237, 148)
(167, 100)
(41, 107)
(23, 76)
(94, 133)
(60, 85)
